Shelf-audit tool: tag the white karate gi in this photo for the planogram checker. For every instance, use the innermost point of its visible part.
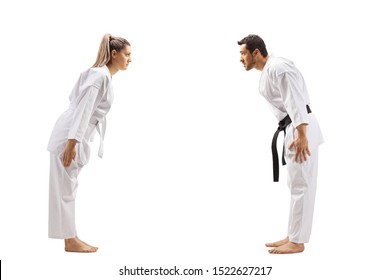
(284, 88)
(90, 101)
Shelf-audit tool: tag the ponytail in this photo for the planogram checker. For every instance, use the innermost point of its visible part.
(108, 44)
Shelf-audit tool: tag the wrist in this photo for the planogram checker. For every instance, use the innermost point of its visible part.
(302, 129)
(72, 142)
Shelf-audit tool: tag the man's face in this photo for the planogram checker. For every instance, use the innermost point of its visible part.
(246, 58)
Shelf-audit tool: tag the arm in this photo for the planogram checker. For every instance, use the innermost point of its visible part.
(80, 124)
(295, 104)
(86, 104)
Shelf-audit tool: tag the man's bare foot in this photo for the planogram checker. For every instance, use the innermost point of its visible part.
(277, 243)
(288, 248)
(76, 245)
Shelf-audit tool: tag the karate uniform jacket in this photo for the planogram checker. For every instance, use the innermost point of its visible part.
(90, 101)
(283, 86)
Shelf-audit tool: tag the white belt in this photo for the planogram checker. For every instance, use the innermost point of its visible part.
(102, 131)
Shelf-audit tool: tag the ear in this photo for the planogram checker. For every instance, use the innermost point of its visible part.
(255, 52)
(114, 53)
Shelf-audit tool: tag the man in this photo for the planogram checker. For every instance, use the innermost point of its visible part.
(284, 88)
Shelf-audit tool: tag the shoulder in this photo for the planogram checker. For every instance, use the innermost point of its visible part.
(99, 72)
(96, 76)
(280, 65)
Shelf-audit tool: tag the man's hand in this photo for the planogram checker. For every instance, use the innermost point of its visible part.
(301, 144)
(69, 152)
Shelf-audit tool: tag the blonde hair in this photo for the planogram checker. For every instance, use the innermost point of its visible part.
(107, 45)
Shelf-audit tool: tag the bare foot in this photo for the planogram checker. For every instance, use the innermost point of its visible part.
(277, 243)
(76, 245)
(87, 243)
(288, 248)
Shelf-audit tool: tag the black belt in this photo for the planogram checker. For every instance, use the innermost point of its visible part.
(275, 158)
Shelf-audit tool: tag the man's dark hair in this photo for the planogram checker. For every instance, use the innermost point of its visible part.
(254, 42)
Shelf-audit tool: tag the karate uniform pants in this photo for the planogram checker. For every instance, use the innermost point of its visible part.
(62, 195)
(302, 182)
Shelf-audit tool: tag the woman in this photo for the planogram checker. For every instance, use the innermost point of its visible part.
(90, 101)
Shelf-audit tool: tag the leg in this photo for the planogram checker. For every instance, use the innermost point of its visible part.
(62, 195)
(302, 181)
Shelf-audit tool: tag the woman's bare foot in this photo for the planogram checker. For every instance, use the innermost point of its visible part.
(288, 248)
(76, 245)
(87, 243)
(278, 243)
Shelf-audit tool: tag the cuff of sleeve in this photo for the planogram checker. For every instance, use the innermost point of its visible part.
(299, 121)
(77, 138)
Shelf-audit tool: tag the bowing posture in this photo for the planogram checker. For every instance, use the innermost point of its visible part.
(90, 101)
(283, 86)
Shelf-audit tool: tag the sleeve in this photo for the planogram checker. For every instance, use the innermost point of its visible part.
(290, 88)
(83, 113)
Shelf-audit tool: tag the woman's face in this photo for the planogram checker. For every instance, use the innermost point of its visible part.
(122, 58)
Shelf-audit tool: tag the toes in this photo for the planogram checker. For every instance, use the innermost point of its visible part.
(90, 250)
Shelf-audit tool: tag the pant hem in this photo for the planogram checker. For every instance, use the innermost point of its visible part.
(62, 237)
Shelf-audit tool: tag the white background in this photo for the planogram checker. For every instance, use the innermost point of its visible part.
(186, 177)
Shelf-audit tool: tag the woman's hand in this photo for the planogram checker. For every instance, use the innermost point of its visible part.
(301, 144)
(69, 153)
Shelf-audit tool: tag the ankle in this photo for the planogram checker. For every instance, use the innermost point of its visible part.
(297, 244)
(70, 240)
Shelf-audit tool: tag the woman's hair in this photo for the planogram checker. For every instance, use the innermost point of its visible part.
(108, 44)
(253, 42)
